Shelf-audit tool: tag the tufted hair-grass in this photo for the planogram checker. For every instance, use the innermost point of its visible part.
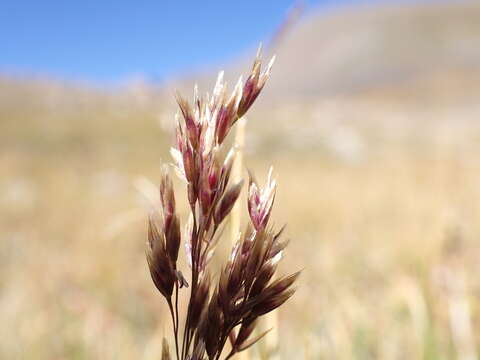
(224, 308)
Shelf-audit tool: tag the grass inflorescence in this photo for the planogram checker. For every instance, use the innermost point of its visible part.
(223, 308)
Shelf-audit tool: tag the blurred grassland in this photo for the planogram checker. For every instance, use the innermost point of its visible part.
(371, 120)
(381, 200)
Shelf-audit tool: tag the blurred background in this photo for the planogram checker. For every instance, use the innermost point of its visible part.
(371, 120)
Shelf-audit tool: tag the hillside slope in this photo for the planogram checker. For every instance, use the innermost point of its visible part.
(352, 50)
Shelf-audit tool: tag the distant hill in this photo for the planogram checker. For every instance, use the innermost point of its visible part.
(359, 49)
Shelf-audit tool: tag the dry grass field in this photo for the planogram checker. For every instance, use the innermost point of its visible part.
(380, 188)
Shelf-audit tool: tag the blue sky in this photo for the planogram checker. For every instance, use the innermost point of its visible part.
(107, 40)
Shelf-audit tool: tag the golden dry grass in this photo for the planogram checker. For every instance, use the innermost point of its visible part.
(382, 205)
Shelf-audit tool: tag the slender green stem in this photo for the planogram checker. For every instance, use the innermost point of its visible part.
(175, 324)
(194, 242)
(176, 316)
(230, 355)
